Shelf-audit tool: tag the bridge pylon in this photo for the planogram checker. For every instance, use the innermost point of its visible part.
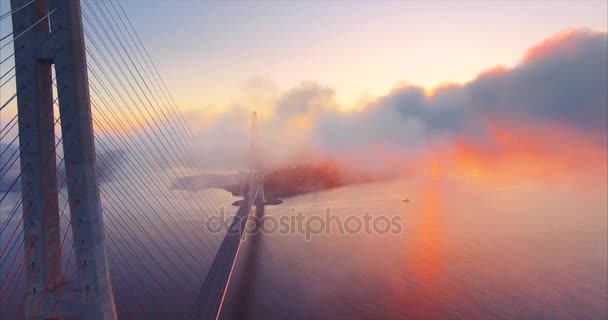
(58, 44)
(256, 173)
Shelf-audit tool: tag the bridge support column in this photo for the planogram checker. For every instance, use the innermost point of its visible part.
(35, 52)
(96, 296)
(41, 243)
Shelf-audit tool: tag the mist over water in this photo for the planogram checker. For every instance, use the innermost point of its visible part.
(466, 252)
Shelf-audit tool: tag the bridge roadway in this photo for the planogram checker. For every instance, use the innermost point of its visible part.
(209, 300)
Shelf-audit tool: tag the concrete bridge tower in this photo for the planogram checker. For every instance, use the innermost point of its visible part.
(56, 39)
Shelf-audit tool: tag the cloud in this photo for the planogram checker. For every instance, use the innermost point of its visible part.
(563, 80)
(305, 99)
(559, 85)
(404, 119)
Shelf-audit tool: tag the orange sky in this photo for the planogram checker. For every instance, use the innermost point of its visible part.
(516, 152)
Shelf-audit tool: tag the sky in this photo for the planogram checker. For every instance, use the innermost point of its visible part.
(209, 51)
(483, 88)
(544, 117)
(499, 90)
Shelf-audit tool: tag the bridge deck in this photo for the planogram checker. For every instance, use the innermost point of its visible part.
(210, 297)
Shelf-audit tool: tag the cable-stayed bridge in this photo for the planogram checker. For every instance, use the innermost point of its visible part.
(91, 140)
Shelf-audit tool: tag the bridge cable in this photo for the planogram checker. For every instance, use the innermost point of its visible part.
(148, 84)
(137, 120)
(26, 30)
(157, 77)
(163, 137)
(9, 13)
